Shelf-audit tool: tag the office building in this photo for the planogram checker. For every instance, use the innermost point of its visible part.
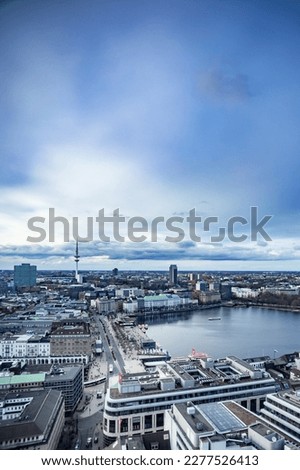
(219, 426)
(202, 286)
(173, 274)
(24, 275)
(68, 380)
(70, 337)
(24, 346)
(31, 420)
(282, 411)
(156, 303)
(3, 287)
(209, 297)
(106, 306)
(136, 403)
(225, 291)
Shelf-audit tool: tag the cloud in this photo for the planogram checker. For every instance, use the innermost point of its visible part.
(231, 86)
(154, 251)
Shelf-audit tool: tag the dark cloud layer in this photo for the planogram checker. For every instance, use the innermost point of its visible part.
(147, 251)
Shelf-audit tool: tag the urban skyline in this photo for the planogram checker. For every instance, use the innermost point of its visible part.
(154, 109)
(120, 352)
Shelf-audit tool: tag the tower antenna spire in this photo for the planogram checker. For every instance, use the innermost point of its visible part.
(76, 259)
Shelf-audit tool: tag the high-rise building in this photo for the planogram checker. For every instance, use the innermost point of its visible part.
(3, 287)
(173, 274)
(202, 286)
(24, 275)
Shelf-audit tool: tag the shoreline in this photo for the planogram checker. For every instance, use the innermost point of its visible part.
(230, 304)
(247, 304)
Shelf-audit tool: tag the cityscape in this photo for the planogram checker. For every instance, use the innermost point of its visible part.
(79, 370)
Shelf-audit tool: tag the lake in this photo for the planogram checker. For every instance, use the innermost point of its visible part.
(244, 332)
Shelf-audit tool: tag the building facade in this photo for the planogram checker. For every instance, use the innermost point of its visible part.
(136, 403)
(67, 380)
(173, 274)
(105, 306)
(219, 426)
(24, 346)
(24, 275)
(282, 411)
(70, 338)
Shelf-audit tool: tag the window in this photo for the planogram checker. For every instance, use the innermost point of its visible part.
(159, 419)
(136, 423)
(148, 421)
(112, 426)
(124, 425)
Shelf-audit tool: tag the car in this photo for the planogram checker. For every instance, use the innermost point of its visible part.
(95, 439)
(88, 441)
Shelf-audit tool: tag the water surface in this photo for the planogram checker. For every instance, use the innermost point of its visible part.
(245, 332)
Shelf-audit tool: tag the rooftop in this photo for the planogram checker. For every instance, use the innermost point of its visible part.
(291, 397)
(221, 418)
(266, 432)
(194, 418)
(240, 412)
(186, 374)
(34, 418)
(22, 379)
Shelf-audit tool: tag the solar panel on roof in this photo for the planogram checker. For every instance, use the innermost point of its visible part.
(221, 418)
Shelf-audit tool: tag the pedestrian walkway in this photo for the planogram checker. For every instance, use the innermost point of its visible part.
(133, 365)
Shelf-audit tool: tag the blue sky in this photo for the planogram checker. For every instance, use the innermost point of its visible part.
(154, 108)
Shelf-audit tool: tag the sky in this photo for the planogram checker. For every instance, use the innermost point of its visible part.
(153, 109)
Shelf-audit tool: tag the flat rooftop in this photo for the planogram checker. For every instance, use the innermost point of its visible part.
(196, 420)
(265, 431)
(242, 413)
(222, 419)
(187, 374)
(22, 379)
(291, 397)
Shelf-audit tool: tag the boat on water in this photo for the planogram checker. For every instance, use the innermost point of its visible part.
(214, 318)
(197, 355)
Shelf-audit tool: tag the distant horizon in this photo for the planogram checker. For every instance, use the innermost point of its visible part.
(185, 271)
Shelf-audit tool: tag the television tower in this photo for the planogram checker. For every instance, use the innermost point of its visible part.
(76, 259)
